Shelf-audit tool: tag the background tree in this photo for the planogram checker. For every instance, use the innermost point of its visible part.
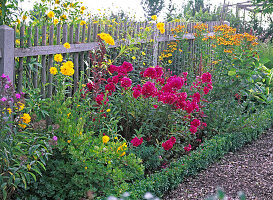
(152, 7)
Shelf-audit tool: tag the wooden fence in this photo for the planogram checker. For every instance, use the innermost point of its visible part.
(22, 46)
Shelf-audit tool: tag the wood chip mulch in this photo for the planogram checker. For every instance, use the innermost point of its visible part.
(249, 170)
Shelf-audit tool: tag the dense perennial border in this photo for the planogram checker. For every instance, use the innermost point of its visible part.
(212, 150)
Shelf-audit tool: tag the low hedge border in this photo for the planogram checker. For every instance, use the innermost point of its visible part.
(212, 150)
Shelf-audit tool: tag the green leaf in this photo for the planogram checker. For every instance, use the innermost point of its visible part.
(232, 73)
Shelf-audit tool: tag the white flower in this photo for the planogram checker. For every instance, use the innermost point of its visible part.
(148, 195)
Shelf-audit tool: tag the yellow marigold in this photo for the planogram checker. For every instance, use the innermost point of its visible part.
(82, 23)
(67, 68)
(53, 70)
(160, 25)
(9, 110)
(169, 61)
(154, 17)
(56, 21)
(107, 38)
(58, 58)
(133, 57)
(123, 154)
(108, 110)
(25, 119)
(68, 141)
(50, 14)
(105, 139)
(24, 17)
(20, 106)
(63, 17)
(67, 45)
(83, 8)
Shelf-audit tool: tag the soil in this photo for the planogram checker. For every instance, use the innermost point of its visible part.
(249, 170)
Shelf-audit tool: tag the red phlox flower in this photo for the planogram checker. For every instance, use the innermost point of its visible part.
(115, 79)
(193, 129)
(175, 82)
(195, 122)
(206, 90)
(90, 86)
(206, 77)
(122, 70)
(148, 89)
(137, 91)
(155, 106)
(112, 69)
(109, 80)
(150, 72)
(159, 71)
(100, 98)
(196, 96)
(160, 81)
(136, 141)
(127, 66)
(185, 74)
(167, 98)
(187, 148)
(110, 87)
(125, 82)
(209, 85)
(169, 143)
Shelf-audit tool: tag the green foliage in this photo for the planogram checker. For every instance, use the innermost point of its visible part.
(152, 7)
(8, 11)
(211, 150)
(150, 155)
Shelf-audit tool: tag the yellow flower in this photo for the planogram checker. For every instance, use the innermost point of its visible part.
(18, 21)
(9, 110)
(154, 17)
(53, 70)
(57, 1)
(108, 110)
(82, 23)
(85, 168)
(81, 11)
(133, 57)
(68, 114)
(20, 105)
(56, 21)
(68, 141)
(50, 14)
(169, 61)
(58, 58)
(63, 17)
(107, 38)
(144, 64)
(26, 118)
(122, 154)
(83, 8)
(116, 138)
(143, 53)
(80, 133)
(28, 166)
(67, 45)
(105, 139)
(24, 17)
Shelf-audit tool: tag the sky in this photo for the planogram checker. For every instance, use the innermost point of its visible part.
(133, 7)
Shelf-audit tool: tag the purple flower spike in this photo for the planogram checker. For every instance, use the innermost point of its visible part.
(18, 96)
(55, 138)
(3, 99)
(6, 86)
(3, 76)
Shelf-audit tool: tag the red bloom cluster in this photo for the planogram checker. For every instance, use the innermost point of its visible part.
(153, 72)
(187, 148)
(136, 141)
(169, 143)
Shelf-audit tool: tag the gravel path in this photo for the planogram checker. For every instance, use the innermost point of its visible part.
(249, 170)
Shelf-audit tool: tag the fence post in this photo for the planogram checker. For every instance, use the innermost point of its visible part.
(155, 44)
(7, 51)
